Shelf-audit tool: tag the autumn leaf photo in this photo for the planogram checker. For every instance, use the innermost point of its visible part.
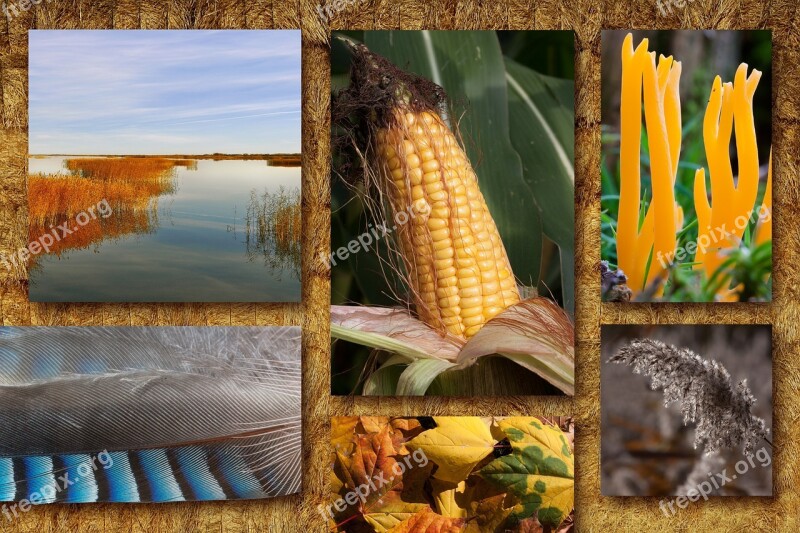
(451, 474)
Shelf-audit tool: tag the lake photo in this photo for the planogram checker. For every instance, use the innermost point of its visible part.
(173, 177)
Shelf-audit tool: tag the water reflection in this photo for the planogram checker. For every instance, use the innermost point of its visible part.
(98, 199)
(181, 230)
(273, 228)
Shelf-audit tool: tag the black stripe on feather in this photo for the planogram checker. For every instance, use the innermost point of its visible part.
(142, 483)
(22, 480)
(217, 470)
(59, 468)
(103, 485)
(180, 477)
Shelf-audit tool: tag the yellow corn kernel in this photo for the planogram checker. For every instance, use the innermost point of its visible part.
(456, 262)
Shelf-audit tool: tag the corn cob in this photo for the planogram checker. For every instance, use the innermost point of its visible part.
(457, 266)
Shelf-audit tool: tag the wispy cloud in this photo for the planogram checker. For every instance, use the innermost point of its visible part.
(153, 92)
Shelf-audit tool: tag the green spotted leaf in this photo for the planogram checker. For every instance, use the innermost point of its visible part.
(539, 472)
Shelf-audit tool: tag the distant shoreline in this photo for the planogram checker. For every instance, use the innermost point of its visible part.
(182, 156)
(277, 160)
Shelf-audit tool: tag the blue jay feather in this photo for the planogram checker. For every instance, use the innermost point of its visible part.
(150, 414)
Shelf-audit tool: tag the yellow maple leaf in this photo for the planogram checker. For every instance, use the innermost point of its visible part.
(449, 498)
(456, 445)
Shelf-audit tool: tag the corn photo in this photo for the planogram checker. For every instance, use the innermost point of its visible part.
(686, 166)
(452, 252)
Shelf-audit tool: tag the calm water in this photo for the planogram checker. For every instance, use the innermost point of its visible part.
(195, 248)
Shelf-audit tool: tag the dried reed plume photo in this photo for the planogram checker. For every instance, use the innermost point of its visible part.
(452, 256)
(686, 410)
(163, 166)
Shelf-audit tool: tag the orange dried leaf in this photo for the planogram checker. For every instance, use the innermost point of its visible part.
(427, 521)
(343, 433)
(373, 424)
(383, 489)
(488, 514)
(410, 427)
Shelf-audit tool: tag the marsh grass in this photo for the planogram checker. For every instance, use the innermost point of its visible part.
(127, 183)
(284, 160)
(273, 226)
(125, 168)
(130, 186)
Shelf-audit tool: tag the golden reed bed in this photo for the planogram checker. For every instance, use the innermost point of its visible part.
(125, 183)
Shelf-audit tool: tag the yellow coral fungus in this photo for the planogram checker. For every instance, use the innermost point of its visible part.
(730, 259)
(723, 221)
(654, 243)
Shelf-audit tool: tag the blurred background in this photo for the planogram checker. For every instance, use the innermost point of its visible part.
(646, 450)
(703, 54)
(546, 59)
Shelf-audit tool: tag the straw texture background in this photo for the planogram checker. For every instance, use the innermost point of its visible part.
(586, 18)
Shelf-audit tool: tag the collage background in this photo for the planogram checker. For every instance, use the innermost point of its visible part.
(586, 18)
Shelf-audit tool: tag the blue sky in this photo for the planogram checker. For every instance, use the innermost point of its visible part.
(164, 92)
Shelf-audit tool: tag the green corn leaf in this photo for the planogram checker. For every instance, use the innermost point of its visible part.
(419, 375)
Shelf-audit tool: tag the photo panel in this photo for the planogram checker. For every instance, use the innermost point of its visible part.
(164, 166)
(453, 213)
(686, 412)
(686, 206)
(451, 473)
(148, 414)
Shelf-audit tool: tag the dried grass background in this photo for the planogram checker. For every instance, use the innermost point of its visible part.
(586, 18)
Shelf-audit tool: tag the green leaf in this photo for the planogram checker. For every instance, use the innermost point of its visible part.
(543, 109)
(419, 375)
(568, 278)
(374, 340)
(491, 376)
(469, 65)
(357, 278)
(539, 472)
(383, 382)
(542, 127)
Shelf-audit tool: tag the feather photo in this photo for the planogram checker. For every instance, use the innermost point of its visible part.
(149, 414)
